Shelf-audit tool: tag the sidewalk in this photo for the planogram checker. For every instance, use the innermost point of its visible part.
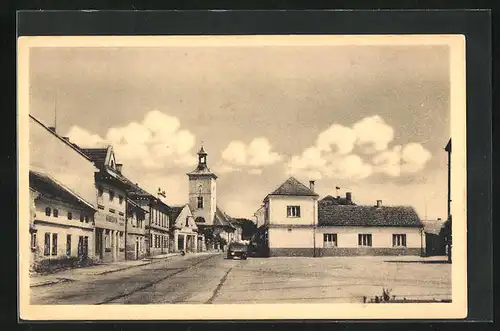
(95, 270)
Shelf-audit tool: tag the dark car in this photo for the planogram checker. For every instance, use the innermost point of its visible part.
(238, 250)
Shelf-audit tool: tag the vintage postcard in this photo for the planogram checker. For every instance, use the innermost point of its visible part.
(242, 177)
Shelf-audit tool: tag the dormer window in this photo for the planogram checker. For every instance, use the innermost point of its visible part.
(112, 164)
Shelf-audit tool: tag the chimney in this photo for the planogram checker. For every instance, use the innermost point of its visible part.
(52, 128)
(311, 185)
(379, 203)
(348, 196)
(119, 167)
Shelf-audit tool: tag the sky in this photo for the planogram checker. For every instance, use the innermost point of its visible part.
(372, 120)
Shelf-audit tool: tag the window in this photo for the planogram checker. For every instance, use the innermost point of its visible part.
(100, 207)
(399, 240)
(164, 242)
(70, 215)
(86, 219)
(200, 202)
(365, 240)
(329, 240)
(293, 211)
(82, 217)
(34, 243)
(100, 191)
(187, 221)
(111, 210)
(120, 199)
(150, 240)
(47, 211)
(120, 213)
(54, 244)
(68, 245)
(111, 195)
(46, 249)
(56, 213)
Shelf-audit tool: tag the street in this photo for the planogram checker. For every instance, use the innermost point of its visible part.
(212, 279)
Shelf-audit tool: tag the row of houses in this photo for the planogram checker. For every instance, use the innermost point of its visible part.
(294, 221)
(83, 207)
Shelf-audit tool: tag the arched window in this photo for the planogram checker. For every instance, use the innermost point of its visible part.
(199, 220)
(47, 211)
(56, 213)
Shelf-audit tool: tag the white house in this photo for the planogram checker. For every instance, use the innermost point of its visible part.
(295, 223)
(183, 230)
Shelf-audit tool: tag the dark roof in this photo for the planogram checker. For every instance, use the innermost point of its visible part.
(338, 215)
(49, 187)
(96, 155)
(221, 219)
(202, 170)
(330, 200)
(293, 187)
(175, 212)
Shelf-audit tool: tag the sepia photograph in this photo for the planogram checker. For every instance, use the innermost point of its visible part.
(242, 177)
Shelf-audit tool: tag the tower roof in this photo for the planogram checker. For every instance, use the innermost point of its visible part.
(202, 168)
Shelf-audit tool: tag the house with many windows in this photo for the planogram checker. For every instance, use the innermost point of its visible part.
(294, 222)
(135, 229)
(111, 191)
(157, 221)
(62, 223)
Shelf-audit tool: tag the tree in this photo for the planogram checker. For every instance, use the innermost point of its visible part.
(248, 227)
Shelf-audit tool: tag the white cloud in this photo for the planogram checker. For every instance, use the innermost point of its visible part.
(332, 155)
(155, 143)
(257, 153)
(372, 132)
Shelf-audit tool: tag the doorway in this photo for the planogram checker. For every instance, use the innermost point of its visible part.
(180, 243)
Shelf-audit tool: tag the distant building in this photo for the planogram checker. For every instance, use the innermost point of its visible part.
(296, 224)
(183, 230)
(135, 230)
(157, 222)
(208, 216)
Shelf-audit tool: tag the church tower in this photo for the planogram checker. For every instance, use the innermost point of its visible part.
(202, 191)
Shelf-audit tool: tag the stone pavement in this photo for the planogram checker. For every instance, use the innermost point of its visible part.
(76, 274)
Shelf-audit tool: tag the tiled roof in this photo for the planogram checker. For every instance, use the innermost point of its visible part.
(338, 215)
(221, 219)
(202, 170)
(293, 187)
(49, 187)
(175, 211)
(96, 155)
(329, 200)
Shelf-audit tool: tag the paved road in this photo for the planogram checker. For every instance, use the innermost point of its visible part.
(211, 279)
